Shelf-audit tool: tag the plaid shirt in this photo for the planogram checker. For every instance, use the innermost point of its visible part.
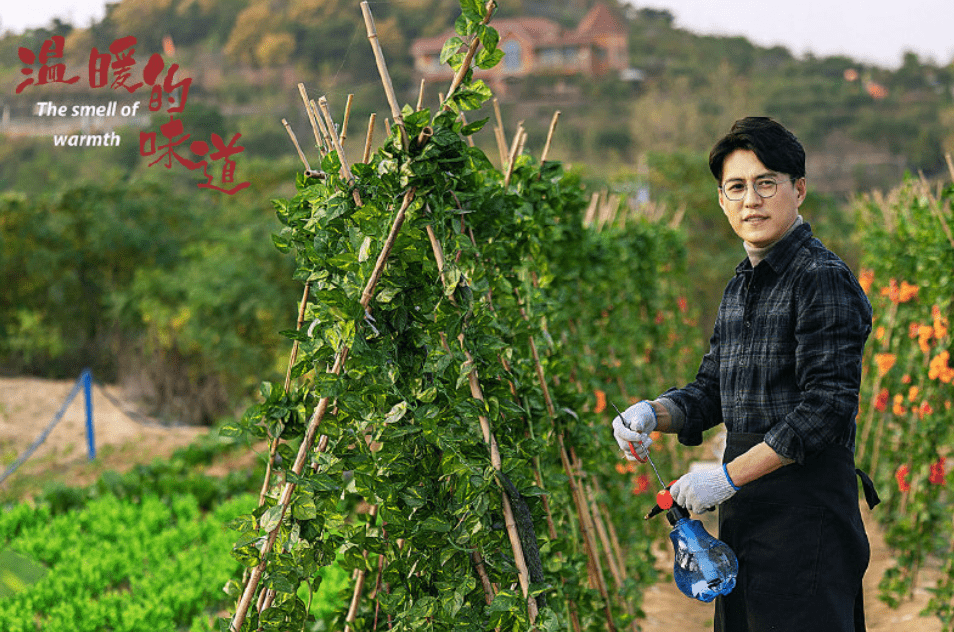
(785, 354)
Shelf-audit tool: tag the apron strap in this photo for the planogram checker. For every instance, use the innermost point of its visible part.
(871, 495)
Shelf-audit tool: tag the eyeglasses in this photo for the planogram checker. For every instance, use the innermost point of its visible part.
(765, 187)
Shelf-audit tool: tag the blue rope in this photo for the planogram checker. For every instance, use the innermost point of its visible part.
(39, 440)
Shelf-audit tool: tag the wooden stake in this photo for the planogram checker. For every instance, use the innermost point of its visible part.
(347, 117)
(546, 147)
(325, 135)
(322, 408)
(335, 142)
(383, 70)
(950, 164)
(500, 133)
(370, 137)
(311, 117)
(523, 573)
(518, 141)
(294, 140)
(420, 96)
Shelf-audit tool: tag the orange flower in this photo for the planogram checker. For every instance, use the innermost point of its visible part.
(891, 291)
(630, 467)
(901, 475)
(898, 407)
(683, 304)
(620, 468)
(913, 393)
(907, 292)
(866, 279)
(924, 409)
(881, 402)
(937, 472)
(913, 330)
(885, 361)
(925, 333)
(879, 333)
(939, 369)
(906, 379)
(640, 484)
(600, 401)
(940, 323)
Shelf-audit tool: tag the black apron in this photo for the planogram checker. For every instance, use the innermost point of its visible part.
(801, 545)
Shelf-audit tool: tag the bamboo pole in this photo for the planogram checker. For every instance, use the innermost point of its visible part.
(473, 381)
(311, 118)
(420, 96)
(294, 140)
(367, 142)
(515, 146)
(383, 70)
(546, 147)
(317, 417)
(335, 141)
(347, 117)
(325, 135)
(500, 134)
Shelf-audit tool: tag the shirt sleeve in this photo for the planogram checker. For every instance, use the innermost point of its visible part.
(700, 401)
(833, 320)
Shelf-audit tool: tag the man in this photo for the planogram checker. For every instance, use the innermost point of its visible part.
(782, 373)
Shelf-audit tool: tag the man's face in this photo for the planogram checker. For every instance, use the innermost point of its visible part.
(757, 220)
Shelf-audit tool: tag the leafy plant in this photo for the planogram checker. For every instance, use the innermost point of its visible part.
(905, 422)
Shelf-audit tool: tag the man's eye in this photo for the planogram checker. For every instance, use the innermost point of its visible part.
(764, 185)
(735, 187)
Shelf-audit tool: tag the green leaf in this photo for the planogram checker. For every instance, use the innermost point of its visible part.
(473, 9)
(473, 128)
(463, 376)
(396, 413)
(271, 518)
(489, 37)
(304, 508)
(487, 59)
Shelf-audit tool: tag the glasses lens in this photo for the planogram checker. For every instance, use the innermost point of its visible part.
(766, 188)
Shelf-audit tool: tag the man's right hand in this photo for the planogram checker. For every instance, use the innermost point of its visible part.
(633, 427)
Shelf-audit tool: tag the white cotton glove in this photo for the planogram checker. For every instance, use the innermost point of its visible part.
(633, 427)
(701, 491)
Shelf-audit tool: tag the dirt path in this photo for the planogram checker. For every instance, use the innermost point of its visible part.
(668, 610)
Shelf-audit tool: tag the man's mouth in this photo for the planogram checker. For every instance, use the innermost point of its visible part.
(755, 219)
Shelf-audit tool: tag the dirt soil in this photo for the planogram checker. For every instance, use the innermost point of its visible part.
(667, 609)
(28, 405)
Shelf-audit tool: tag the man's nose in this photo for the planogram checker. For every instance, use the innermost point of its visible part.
(752, 198)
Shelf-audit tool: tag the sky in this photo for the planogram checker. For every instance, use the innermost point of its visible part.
(873, 31)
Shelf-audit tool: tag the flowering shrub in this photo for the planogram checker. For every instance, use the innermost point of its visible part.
(906, 421)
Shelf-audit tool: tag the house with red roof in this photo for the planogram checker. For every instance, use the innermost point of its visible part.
(539, 46)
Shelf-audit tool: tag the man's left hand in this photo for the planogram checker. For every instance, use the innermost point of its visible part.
(703, 490)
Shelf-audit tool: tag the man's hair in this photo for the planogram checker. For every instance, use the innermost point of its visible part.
(775, 146)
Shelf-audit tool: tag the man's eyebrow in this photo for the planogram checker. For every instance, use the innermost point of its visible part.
(767, 174)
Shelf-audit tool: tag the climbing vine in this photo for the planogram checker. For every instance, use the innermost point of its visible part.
(432, 436)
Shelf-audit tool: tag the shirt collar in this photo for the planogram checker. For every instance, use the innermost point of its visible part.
(783, 252)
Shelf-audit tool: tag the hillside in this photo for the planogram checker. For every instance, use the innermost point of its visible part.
(865, 125)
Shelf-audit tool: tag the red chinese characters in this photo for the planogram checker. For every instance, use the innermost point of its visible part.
(48, 73)
(101, 63)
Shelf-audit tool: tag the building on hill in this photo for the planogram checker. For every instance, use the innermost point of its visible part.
(598, 46)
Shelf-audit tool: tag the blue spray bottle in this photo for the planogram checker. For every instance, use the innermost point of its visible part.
(705, 567)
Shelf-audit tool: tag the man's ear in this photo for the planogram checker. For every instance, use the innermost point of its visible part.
(801, 189)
